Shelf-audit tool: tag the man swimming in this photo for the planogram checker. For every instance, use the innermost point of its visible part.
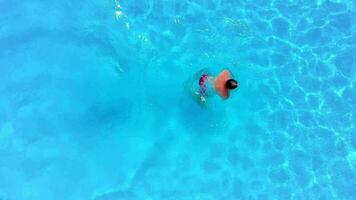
(208, 85)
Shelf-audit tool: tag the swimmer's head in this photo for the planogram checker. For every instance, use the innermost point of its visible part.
(231, 84)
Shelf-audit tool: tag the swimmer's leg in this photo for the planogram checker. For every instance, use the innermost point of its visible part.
(193, 89)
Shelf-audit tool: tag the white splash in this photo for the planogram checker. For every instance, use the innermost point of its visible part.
(120, 15)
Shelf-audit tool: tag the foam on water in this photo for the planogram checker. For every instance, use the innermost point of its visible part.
(93, 104)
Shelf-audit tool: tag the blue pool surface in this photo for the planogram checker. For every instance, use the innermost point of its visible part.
(93, 104)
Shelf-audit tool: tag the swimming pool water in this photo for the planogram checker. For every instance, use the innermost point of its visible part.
(93, 104)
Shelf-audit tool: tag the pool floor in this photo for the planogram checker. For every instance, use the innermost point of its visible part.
(93, 103)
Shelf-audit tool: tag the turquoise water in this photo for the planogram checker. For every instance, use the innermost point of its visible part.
(93, 104)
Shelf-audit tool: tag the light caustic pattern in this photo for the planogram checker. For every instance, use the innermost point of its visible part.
(93, 104)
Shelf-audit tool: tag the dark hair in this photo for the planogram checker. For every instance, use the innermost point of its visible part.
(231, 84)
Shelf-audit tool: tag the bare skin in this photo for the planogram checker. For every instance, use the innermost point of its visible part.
(193, 87)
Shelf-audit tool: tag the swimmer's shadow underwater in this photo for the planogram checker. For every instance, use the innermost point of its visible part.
(203, 86)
